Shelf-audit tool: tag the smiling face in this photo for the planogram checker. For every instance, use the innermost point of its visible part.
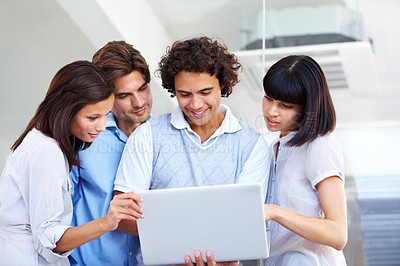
(280, 116)
(90, 120)
(133, 99)
(199, 97)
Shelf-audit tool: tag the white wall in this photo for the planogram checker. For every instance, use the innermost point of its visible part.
(381, 22)
(37, 39)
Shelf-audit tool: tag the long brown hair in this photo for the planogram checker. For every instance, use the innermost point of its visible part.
(73, 87)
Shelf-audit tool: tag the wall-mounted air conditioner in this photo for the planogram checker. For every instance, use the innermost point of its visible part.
(301, 24)
(349, 67)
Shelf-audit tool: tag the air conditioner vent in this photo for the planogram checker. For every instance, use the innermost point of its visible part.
(348, 67)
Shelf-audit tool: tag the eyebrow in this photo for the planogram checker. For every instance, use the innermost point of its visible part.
(141, 87)
(202, 90)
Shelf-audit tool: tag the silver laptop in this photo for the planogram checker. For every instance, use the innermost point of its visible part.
(226, 219)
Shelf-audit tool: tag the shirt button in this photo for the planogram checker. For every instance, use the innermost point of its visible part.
(130, 253)
(116, 131)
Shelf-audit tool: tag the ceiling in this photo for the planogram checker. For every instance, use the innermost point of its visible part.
(366, 102)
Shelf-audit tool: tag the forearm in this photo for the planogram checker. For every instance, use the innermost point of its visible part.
(123, 207)
(322, 231)
(76, 236)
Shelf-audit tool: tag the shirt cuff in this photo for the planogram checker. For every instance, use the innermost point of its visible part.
(46, 242)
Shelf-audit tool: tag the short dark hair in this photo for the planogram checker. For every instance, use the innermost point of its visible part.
(298, 79)
(118, 58)
(73, 87)
(200, 55)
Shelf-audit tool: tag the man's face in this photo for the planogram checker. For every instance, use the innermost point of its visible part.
(199, 97)
(133, 99)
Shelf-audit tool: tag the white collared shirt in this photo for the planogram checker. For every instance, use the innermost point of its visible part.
(35, 203)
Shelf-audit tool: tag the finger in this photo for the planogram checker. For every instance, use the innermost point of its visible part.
(117, 209)
(130, 195)
(135, 197)
(210, 258)
(188, 261)
(198, 259)
(127, 203)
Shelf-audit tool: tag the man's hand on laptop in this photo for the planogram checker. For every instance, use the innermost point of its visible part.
(210, 260)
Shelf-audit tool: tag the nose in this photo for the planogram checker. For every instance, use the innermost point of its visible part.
(101, 125)
(273, 110)
(196, 102)
(137, 100)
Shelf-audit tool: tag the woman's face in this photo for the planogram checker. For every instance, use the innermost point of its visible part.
(90, 120)
(280, 116)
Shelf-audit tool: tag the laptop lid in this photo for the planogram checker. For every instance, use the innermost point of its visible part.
(226, 219)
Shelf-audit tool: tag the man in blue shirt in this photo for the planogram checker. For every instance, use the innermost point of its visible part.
(93, 184)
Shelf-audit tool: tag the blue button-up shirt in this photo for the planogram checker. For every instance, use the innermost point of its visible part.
(92, 191)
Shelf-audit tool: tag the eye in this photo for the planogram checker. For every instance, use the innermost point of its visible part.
(268, 98)
(287, 106)
(122, 96)
(143, 88)
(182, 94)
(205, 92)
(92, 118)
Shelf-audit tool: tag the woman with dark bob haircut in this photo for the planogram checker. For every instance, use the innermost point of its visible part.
(36, 207)
(306, 203)
(211, 57)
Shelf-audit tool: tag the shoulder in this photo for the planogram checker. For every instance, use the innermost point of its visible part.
(324, 143)
(157, 121)
(41, 150)
(37, 142)
(248, 135)
(246, 128)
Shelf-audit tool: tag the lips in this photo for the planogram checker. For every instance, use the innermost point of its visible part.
(198, 114)
(140, 112)
(94, 135)
(271, 122)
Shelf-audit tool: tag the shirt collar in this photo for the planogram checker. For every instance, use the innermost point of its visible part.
(111, 121)
(230, 124)
(111, 125)
(284, 140)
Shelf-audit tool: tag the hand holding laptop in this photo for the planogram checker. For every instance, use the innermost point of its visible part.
(210, 260)
(203, 219)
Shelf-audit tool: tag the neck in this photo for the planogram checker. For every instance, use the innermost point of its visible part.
(207, 130)
(126, 126)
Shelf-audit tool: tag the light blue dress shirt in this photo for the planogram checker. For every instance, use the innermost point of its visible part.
(92, 190)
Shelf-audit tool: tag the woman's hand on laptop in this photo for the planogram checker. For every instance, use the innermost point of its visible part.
(210, 260)
(123, 206)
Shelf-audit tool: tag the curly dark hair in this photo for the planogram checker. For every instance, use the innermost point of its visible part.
(200, 55)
